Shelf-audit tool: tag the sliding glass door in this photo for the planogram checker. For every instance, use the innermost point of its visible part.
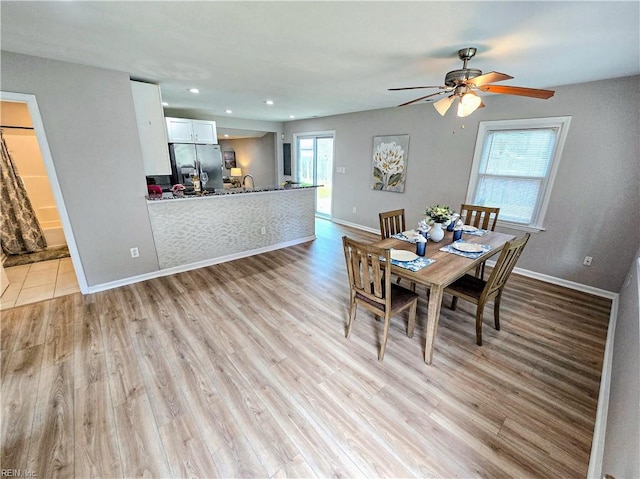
(314, 156)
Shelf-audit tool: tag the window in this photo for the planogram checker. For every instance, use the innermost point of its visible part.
(514, 165)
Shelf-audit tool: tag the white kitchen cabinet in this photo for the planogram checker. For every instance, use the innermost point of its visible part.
(179, 130)
(182, 130)
(204, 131)
(147, 104)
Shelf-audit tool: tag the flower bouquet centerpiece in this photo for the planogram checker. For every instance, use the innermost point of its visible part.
(178, 190)
(440, 216)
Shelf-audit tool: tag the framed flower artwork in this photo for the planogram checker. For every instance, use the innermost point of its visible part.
(389, 162)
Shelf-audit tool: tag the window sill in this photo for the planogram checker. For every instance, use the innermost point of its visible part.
(516, 226)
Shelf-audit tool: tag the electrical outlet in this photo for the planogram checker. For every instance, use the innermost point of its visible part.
(263, 230)
(587, 260)
(134, 252)
(354, 209)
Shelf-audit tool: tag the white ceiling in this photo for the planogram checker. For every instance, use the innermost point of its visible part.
(325, 58)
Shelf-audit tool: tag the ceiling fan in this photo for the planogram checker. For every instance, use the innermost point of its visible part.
(461, 84)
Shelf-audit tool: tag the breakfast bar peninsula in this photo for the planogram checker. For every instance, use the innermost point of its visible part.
(197, 231)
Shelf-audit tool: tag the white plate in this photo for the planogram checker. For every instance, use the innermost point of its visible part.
(469, 228)
(403, 255)
(409, 233)
(468, 247)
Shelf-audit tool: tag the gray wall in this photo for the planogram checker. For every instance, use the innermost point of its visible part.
(90, 126)
(621, 456)
(256, 156)
(594, 210)
(595, 206)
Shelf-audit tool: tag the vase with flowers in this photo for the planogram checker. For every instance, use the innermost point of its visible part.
(440, 216)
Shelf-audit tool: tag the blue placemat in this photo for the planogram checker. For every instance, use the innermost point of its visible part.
(415, 265)
(477, 232)
(402, 237)
(450, 249)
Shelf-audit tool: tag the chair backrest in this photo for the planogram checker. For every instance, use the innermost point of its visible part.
(391, 223)
(505, 264)
(366, 274)
(483, 217)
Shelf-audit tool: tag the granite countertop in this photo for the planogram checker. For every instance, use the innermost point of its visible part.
(231, 191)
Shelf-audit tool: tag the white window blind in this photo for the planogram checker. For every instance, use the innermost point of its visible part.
(513, 168)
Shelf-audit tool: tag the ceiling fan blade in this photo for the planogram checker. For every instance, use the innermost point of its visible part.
(490, 77)
(414, 87)
(423, 98)
(518, 90)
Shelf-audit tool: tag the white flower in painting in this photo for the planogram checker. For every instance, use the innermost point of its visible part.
(389, 158)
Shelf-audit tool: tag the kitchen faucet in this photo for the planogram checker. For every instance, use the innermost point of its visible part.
(253, 185)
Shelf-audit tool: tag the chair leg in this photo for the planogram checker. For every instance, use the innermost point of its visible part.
(387, 321)
(480, 271)
(454, 303)
(352, 317)
(479, 312)
(412, 319)
(496, 310)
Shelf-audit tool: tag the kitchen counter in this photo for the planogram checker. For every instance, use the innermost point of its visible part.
(197, 231)
(230, 191)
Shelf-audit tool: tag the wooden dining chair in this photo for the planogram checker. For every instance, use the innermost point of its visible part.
(391, 223)
(479, 292)
(483, 217)
(370, 288)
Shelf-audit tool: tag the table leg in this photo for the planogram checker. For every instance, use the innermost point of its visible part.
(433, 315)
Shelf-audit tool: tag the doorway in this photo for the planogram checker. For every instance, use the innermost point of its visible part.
(314, 158)
(22, 144)
(62, 233)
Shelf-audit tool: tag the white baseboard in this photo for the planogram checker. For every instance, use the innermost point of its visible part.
(585, 288)
(602, 411)
(356, 226)
(199, 264)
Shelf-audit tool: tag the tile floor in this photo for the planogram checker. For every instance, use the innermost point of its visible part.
(35, 282)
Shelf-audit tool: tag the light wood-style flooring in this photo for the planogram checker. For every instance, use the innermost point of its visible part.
(242, 370)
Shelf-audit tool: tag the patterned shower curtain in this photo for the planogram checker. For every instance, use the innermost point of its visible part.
(19, 228)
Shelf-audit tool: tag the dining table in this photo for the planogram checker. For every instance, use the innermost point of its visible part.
(444, 268)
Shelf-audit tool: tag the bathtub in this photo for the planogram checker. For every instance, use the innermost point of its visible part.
(53, 233)
(51, 227)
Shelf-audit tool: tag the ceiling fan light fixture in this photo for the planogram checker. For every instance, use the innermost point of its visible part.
(469, 102)
(442, 106)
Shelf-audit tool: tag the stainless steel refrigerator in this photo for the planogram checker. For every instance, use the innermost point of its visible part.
(187, 158)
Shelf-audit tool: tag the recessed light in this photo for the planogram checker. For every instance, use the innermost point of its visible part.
(226, 135)
(164, 103)
(269, 102)
(291, 117)
(228, 111)
(194, 90)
